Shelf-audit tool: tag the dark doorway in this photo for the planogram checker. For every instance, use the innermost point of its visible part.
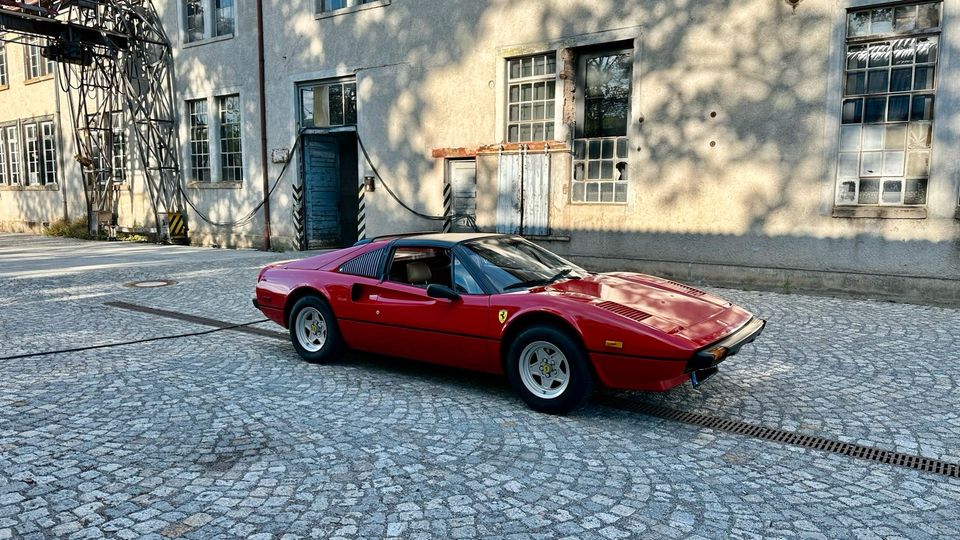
(330, 189)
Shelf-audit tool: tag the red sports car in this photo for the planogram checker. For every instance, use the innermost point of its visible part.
(500, 304)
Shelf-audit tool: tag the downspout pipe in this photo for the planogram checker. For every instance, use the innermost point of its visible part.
(261, 80)
(61, 169)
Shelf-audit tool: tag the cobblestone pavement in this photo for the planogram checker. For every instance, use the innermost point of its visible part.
(228, 435)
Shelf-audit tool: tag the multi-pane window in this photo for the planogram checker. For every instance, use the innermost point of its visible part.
(37, 65)
(32, 163)
(195, 23)
(13, 153)
(328, 104)
(118, 147)
(198, 26)
(601, 149)
(333, 5)
(31, 142)
(531, 98)
(199, 141)
(887, 113)
(231, 155)
(4, 177)
(226, 17)
(215, 142)
(3, 65)
(49, 147)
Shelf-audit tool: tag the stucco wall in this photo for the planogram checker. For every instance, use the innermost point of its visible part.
(733, 128)
(752, 184)
(30, 207)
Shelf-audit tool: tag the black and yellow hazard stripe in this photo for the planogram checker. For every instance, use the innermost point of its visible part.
(362, 212)
(178, 224)
(447, 207)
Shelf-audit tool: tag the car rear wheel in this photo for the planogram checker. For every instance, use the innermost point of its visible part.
(549, 370)
(313, 330)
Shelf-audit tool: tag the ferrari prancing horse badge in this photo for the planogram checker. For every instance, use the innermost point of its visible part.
(502, 316)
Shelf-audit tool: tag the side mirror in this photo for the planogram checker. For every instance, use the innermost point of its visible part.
(442, 291)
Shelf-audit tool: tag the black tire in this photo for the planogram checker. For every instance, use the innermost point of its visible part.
(545, 338)
(311, 350)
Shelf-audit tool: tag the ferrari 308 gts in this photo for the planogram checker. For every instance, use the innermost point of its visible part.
(501, 304)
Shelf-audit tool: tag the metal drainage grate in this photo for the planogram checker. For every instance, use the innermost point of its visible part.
(786, 437)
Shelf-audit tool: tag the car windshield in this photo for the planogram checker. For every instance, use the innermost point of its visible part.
(512, 263)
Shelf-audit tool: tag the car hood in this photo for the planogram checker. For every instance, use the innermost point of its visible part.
(668, 306)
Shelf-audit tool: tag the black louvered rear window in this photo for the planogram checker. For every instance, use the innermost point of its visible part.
(366, 265)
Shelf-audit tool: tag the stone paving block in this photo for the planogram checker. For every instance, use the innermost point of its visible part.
(229, 435)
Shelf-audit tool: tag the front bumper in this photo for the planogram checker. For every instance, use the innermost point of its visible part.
(711, 355)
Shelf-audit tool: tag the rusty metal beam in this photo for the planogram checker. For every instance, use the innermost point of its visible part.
(35, 25)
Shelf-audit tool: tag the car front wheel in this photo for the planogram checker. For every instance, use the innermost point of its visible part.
(313, 330)
(549, 370)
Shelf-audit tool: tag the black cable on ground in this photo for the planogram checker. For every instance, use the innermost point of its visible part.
(135, 342)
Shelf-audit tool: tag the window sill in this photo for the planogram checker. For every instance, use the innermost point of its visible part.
(206, 41)
(21, 187)
(880, 212)
(39, 79)
(215, 185)
(605, 203)
(4, 87)
(536, 147)
(354, 9)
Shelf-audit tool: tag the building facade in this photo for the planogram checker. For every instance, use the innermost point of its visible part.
(808, 145)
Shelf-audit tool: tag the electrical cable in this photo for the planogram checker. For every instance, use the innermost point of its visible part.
(245, 220)
(135, 342)
(390, 191)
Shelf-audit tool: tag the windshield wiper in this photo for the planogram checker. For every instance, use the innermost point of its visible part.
(562, 274)
(535, 282)
(528, 283)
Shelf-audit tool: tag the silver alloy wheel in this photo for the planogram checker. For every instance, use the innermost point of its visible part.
(544, 369)
(311, 329)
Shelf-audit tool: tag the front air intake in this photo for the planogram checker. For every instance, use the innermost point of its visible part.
(625, 311)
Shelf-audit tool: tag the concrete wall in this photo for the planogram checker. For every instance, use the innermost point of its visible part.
(733, 132)
(733, 166)
(33, 208)
(23, 207)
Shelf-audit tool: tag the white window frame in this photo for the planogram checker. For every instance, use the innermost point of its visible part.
(14, 157)
(214, 142)
(221, 140)
(193, 144)
(513, 115)
(49, 153)
(210, 31)
(611, 151)
(32, 154)
(349, 6)
(4, 179)
(4, 75)
(875, 39)
(36, 67)
(328, 83)
(119, 147)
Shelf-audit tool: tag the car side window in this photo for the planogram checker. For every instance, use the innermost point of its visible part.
(463, 281)
(420, 266)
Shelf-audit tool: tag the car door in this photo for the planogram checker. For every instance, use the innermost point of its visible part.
(404, 321)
